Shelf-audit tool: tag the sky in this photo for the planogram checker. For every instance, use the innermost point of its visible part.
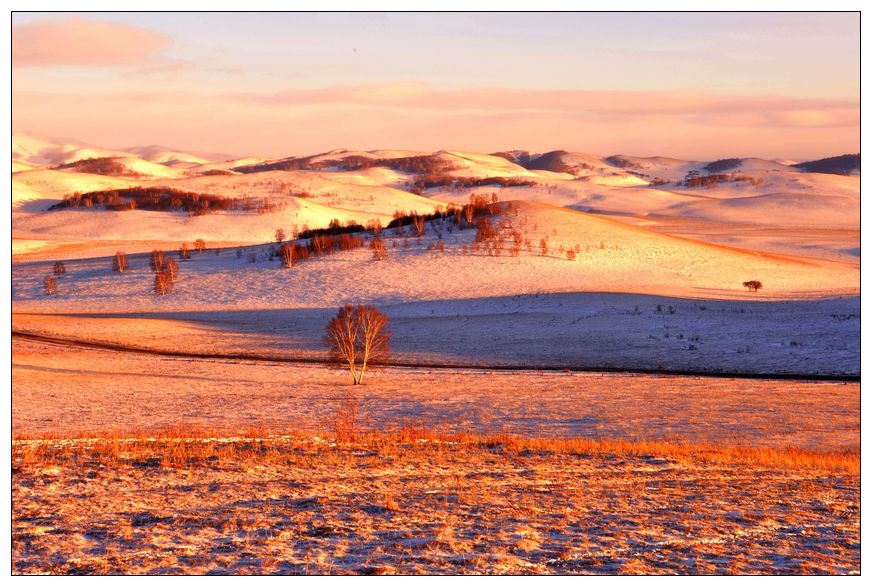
(701, 85)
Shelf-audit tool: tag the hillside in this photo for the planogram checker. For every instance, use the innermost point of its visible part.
(629, 297)
(361, 185)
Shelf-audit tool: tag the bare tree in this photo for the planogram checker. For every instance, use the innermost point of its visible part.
(163, 283)
(157, 260)
(357, 336)
(59, 268)
(280, 235)
(543, 247)
(49, 284)
(184, 252)
(468, 213)
(752, 285)
(288, 254)
(419, 225)
(172, 268)
(200, 245)
(119, 263)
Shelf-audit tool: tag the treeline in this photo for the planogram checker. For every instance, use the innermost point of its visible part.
(99, 166)
(418, 164)
(163, 199)
(722, 165)
(429, 171)
(694, 180)
(350, 236)
(421, 183)
(841, 165)
(318, 246)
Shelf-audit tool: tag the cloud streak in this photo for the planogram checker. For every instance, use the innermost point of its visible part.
(76, 41)
(696, 106)
(415, 116)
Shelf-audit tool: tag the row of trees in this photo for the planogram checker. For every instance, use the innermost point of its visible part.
(164, 199)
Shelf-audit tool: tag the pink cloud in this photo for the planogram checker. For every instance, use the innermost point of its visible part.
(75, 41)
(408, 115)
(695, 106)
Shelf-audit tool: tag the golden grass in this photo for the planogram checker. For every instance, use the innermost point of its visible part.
(183, 447)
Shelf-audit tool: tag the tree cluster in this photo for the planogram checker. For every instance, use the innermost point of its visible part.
(100, 166)
(166, 271)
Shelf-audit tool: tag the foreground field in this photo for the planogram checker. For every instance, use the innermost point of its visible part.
(412, 504)
(62, 390)
(271, 468)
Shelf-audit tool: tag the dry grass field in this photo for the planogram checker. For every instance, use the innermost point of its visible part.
(420, 502)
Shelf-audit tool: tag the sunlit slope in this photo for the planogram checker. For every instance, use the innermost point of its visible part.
(612, 257)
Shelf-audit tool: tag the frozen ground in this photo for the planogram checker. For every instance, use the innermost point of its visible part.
(302, 508)
(59, 390)
(632, 299)
(616, 331)
(656, 285)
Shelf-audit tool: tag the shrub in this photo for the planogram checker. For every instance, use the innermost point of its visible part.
(59, 268)
(49, 285)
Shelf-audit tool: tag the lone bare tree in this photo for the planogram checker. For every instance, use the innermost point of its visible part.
(280, 235)
(49, 285)
(357, 336)
(752, 285)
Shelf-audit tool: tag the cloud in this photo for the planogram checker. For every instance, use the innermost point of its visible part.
(408, 115)
(75, 41)
(697, 107)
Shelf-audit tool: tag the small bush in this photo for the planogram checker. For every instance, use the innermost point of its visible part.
(59, 268)
(49, 285)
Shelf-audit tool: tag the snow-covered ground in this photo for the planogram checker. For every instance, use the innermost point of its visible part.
(656, 281)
